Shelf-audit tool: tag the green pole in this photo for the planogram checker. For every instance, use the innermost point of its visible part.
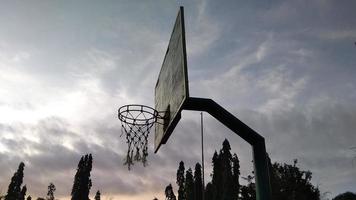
(263, 188)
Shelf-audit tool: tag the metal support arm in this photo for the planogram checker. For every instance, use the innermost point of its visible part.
(263, 188)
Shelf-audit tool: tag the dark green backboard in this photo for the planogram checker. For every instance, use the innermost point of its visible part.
(171, 89)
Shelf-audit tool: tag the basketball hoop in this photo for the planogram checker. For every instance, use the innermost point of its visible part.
(171, 98)
(136, 123)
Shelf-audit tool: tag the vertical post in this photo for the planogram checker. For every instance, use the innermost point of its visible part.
(202, 154)
(263, 187)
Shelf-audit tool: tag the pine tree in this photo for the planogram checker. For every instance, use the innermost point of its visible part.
(14, 189)
(23, 193)
(77, 180)
(235, 177)
(198, 183)
(189, 185)
(97, 195)
(86, 178)
(181, 181)
(225, 176)
(217, 176)
(51, 190)
(169, 193)
(82, 182)
(226, 161)
(210, 192)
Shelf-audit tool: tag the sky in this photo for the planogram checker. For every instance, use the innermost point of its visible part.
(285, 68)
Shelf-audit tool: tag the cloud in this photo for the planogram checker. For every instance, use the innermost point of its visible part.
(53, 154)
(284, 68)
(323, 131)
(282, 91)
(339, 35)
(203, 34)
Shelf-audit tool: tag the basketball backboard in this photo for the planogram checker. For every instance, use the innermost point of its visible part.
(171, 91)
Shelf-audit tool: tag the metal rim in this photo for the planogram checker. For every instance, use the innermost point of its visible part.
(139, 115)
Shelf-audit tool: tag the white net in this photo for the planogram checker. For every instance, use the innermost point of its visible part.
(136, 123)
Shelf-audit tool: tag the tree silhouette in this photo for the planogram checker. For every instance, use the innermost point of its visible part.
(51, 190)
(181, 181)
(248, 192)
(23, 193)
(235, 177)
(97, 195)
(217, 176)
(198, 183)
(225, 176)
(189, 185)
(346, 196)
(14, 191)
(226, 160)
(82, 182)
(210, 192)
(289, 182)
(169, 193)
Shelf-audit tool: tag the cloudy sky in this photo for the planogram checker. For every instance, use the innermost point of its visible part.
(286, 68)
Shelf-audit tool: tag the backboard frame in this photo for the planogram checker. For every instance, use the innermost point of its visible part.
(171, 108)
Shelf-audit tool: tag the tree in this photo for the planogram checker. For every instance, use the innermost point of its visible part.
(225, 183)
(235, 177)
(189, 185)
(226, 161)
(248, 192)
(289, 182)
(23, 193)
(14, 191)
(169, 193)
(82, 182)
(97, 195)
(51, 190)
(217, 176)
(210, 192)
(198, 182)
(346, 196)
(181, 181)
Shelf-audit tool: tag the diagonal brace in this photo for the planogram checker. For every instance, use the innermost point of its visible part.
(263, 187)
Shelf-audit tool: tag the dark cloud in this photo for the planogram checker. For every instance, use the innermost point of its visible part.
(286, 68)
(319, 137)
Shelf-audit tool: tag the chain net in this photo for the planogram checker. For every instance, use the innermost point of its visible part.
(136, 123)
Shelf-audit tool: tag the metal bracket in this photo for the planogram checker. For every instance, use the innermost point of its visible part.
(263, 186)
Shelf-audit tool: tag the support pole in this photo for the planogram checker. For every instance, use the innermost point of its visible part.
(202, 154)
(263, 187)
